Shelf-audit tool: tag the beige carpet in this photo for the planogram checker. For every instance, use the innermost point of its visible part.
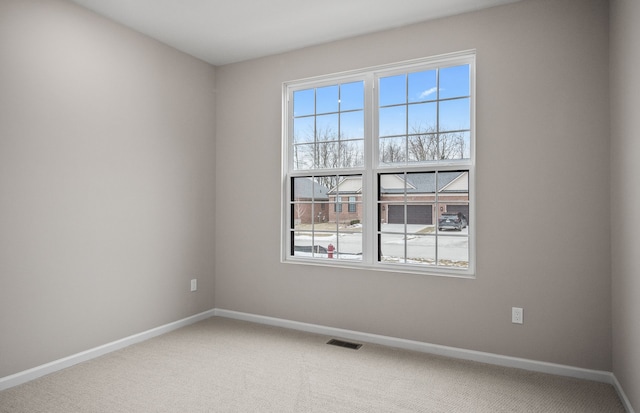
(222, 365)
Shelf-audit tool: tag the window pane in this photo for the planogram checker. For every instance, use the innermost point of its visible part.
(304, 129)
(323, 240)
(454, 115)
(423, 147)
(321, 216)
(453, 201)
(302, 189)
(302, 213)
(301, 243)
(420, 218)
(303, 102)
(422, 86)
(455, 145)
(352, 154)
(309, 189)
(421, 249)
(454, 81)
(417, 216)
(423, 118)
(352, 125)
(453, 251)
(392, 247)
(393, 90)
(330, 182)
(352, 96)
(412, 219)
(456, 182)
(451, 209)
(327, 127)
(393, 150)
(392, 121)
(327, 155)
(350, 184)
(316, 245)
(391, 185)
(392, 218)
(349, 246)
(327, 99)
(421, 186)
(303, 156)
(347, 192)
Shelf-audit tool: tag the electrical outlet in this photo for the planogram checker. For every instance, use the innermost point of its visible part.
(194, 284)
(516, 315)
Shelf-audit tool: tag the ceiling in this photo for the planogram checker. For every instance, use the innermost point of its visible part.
(228, 31)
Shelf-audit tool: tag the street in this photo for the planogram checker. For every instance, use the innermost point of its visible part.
(421, 245)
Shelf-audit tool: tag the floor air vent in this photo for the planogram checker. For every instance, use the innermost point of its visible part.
(340, 343)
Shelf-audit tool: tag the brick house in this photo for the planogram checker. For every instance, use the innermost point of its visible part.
(345, 201)
(306, 190)
(424, 198)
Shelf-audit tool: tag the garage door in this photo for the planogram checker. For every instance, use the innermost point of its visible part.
(459, 208)
(416, 214)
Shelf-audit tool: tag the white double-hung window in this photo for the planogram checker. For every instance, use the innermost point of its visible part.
(378, 168)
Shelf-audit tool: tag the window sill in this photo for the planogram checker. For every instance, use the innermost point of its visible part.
(384, 267)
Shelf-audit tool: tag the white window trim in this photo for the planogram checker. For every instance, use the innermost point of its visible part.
(369, 200)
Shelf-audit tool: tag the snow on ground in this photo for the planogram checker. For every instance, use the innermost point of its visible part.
(452, 246)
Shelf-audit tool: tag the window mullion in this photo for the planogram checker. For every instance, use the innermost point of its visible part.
(369, 193)
(436, 218)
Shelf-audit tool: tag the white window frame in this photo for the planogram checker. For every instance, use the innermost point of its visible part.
(372, 168)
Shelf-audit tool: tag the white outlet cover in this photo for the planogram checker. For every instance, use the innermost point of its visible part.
(194, 285)
(517, 315)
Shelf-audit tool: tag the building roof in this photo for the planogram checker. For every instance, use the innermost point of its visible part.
(307, 188)
(418, 182)
(348, 185)
(425, 182)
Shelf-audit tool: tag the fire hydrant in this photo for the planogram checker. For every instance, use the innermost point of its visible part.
(330, 250)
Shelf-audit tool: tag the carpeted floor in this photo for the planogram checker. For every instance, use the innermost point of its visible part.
(223, 365)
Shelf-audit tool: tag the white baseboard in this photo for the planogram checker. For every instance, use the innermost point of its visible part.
(34, 373)
(623, 396)
(489, 358)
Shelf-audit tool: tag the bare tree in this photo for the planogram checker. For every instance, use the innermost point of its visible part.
(300, 210)
(302, 156)
(391, 152)
(350, 154)
(325, 150)
(329, 182)
(331, 153)
(426, 144)
(423, 147)
(452, 145)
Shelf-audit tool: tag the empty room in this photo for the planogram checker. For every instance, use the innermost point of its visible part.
(337, 206)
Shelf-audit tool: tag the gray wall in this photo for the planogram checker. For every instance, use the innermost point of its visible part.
(625, 193)
(109, 176)
(106, 182)
(542, 190)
